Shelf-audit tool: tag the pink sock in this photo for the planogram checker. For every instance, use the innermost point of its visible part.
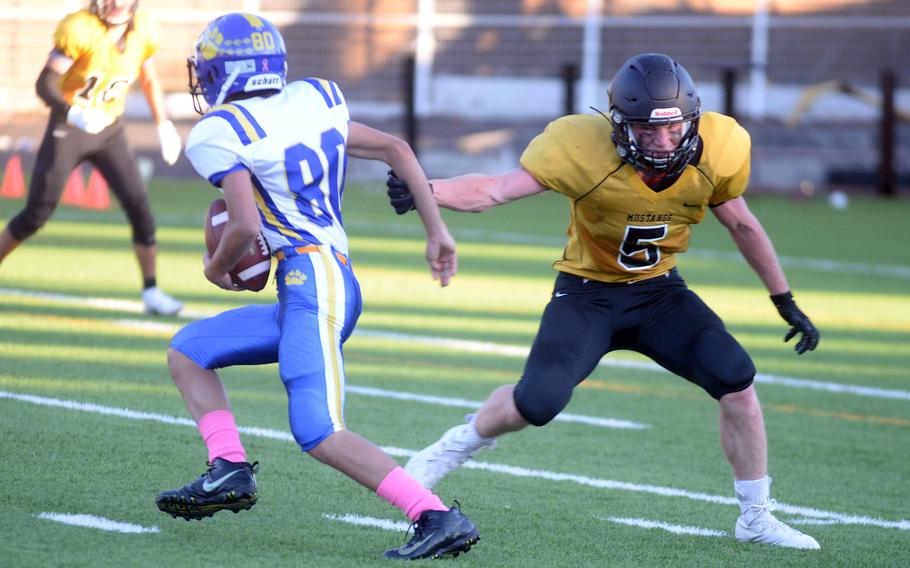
(403, 491)
(221, 437)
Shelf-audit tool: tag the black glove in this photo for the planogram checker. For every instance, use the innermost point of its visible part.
(400, 197)
(794, 316)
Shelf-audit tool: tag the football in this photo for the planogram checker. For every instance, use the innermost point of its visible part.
(252, 271)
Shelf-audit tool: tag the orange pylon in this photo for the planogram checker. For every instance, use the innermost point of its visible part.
(13, 183)
(97, 195)
(74, 191)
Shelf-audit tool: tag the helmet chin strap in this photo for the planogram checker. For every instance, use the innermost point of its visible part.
(227, 85)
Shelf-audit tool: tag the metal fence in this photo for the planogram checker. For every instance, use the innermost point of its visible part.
(504, 58)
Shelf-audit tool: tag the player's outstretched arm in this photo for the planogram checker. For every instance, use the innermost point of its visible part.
(755, 245)
(470, 192)
(371, 144)
(242, 226)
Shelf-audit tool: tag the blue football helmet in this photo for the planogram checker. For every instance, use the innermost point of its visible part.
(236, 53)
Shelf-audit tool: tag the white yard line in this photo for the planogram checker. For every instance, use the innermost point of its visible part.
(515, 351)
(675, 529)
(594, 482)
(93, 522)
(360, 520)
(475, 404)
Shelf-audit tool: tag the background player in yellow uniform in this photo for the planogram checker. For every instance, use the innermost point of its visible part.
(636, 181)
(97, 55)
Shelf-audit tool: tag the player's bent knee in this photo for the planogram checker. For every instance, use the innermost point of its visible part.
(310, 436)
(724, 367)
(541, 399)
(26, 224)
(188, 342)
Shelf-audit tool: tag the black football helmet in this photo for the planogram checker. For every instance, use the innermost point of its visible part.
(653, 89)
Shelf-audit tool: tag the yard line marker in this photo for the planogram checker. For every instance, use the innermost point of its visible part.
(93, 522)
(675, 529)
(475, 404)
(598, 483)
(484, 347)
(385, 524)
(814, 522)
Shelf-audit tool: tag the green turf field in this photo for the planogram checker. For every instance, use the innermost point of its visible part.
(91, 424)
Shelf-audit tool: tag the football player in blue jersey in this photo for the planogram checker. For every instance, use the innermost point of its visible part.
(278, 152)
(636, 181)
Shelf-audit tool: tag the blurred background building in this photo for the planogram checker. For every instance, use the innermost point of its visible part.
(479, 78)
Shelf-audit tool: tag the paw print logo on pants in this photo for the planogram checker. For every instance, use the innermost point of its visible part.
(294, 278)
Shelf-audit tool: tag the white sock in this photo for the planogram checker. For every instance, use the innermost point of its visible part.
(471, 436)
(754, 492)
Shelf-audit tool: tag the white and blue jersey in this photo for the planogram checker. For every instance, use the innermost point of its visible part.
(293, 145)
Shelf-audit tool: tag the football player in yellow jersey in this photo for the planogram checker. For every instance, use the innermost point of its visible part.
(636, 181)
(97, 55)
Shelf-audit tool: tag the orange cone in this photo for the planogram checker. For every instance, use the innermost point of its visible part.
(13, 183)
(74, 192)
(97, 195)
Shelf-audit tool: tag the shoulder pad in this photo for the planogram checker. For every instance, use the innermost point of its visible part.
(727, 145)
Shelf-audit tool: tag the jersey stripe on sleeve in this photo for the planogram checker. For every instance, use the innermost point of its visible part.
(243, 123)
(323, 87)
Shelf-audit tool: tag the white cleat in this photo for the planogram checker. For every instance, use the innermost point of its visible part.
(457, 445)
(759, 525)
(159, 303)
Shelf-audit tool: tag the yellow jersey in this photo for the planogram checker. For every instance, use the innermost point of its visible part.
(620, 230)
(102, 73)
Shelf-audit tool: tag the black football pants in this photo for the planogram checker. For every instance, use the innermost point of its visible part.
(62, 149)
(659, 317)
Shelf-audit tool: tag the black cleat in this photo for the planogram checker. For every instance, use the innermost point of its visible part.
(438, 534)
(225, 486)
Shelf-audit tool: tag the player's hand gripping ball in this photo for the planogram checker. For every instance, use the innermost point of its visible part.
(252, 271)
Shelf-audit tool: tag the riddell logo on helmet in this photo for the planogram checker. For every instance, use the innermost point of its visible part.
(666, 113)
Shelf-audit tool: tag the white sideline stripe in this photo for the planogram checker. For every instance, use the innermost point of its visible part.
(384, 524)
(93, 522)
(476, 346)
(675, 529)
(475, 404)
(813, 522)
(505, 469)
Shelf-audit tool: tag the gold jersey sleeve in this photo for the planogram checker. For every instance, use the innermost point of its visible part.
(620, 230)
(102, 72)
(572, 155)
